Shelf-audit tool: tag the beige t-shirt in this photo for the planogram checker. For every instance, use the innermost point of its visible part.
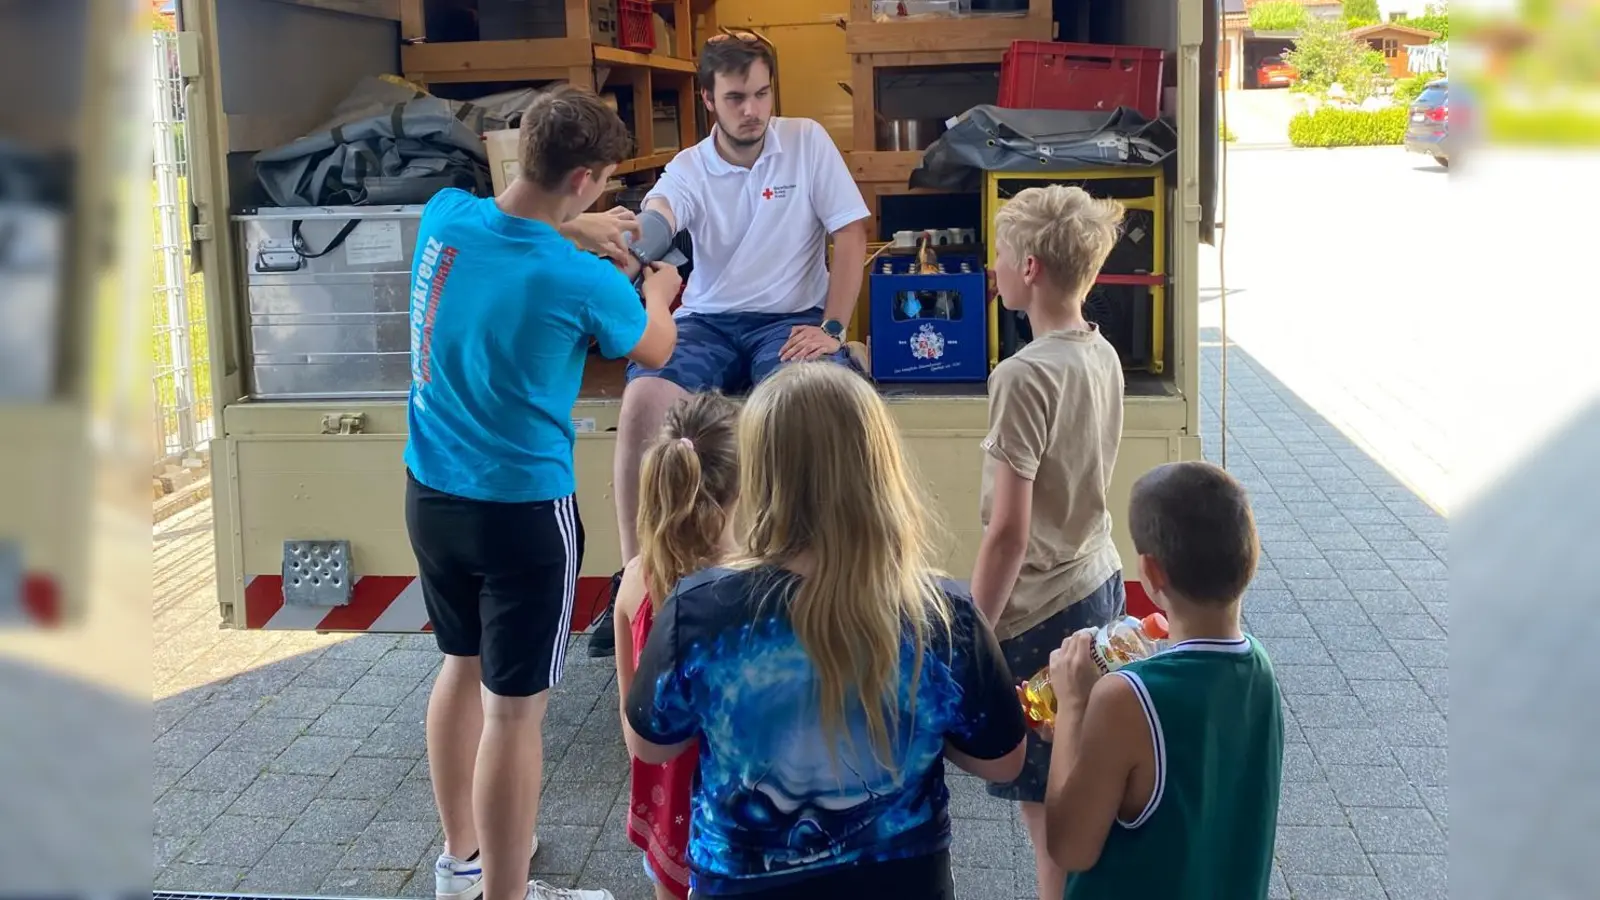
(1055, 417)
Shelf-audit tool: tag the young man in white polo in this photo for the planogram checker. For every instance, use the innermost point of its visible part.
(760, 198)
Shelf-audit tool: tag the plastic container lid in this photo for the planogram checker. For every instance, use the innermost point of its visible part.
(1154, 625)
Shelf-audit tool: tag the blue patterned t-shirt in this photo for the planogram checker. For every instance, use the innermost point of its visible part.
(771, 806)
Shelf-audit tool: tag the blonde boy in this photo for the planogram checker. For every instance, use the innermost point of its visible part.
(1047, 567)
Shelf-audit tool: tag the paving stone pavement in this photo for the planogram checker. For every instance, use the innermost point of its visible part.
(307, 774)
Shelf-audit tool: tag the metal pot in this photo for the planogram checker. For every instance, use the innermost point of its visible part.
(908, 134)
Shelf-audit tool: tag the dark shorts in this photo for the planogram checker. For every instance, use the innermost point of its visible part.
(1029, 652)
(729, 352)
(499, 580)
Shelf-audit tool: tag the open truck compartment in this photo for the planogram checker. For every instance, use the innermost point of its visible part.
(311, 315)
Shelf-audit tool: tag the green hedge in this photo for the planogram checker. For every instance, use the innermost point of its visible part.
(1334, 127)
(1549, 127)
(1409, 89)
(1278, 15)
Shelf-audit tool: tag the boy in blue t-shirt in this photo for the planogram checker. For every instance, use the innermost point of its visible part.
(503, 308)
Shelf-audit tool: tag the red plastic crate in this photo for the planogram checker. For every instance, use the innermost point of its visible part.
(636, 27)
(1055, 75)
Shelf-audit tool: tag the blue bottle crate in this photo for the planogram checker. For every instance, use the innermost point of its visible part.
(929, 327)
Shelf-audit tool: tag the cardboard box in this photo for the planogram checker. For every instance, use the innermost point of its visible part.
(504, 150)
(665, 128)
(603, 28)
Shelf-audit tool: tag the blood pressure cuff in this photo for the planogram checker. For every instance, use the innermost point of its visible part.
(654, 244)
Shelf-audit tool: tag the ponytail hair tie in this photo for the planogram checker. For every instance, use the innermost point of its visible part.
(687, 443)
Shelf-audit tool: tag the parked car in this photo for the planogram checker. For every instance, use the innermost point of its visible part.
(1428, 132)
(1272, 71)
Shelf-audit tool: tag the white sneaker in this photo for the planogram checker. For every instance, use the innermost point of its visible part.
(455, 879)
(538, 890)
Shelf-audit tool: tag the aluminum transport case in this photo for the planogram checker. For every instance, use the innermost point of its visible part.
(328, 292)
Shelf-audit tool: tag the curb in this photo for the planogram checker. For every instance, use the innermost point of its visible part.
(182, 499)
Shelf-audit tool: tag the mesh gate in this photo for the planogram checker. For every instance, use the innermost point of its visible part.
(181, 362)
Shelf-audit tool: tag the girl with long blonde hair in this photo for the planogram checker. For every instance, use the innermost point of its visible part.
(687, 487)
(827, 672)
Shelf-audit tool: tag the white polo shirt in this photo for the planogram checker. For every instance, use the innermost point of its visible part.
(760, 234)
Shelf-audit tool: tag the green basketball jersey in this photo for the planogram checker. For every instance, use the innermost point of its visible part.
(1207, 833)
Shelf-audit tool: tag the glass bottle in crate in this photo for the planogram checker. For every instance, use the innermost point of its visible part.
(927, 260)
(1123, 641)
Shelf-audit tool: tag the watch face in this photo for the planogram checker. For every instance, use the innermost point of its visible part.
(832, 328)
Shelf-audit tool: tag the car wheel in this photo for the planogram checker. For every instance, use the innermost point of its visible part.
(1443, 161)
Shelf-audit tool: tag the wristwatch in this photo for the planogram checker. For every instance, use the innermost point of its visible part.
(833, 328)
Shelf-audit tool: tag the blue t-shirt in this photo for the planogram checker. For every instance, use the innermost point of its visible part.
(502, 309)
(771, 808)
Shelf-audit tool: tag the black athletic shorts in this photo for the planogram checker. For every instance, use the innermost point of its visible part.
(499, 580)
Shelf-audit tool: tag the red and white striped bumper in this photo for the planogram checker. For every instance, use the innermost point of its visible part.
(392, 604)
(386, 604)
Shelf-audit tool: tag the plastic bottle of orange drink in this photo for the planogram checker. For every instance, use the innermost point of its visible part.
(1115, 645)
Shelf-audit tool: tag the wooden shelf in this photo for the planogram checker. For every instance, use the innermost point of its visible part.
(500, 60)
(656, 62)
(966, 41)
(372, 9)
(883, 166)
(574, 59)
(870, 61)
(874, 192)
(945, 35)
(645, 163)
(493, 60)
(938, 36)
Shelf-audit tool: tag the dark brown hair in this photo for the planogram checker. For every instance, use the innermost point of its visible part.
(687, 485)
(568, 128)
(731, 54)
(1195, 519)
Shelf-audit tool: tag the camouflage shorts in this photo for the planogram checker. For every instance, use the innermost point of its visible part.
(730, 352)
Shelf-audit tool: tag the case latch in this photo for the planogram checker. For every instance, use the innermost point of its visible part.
(278, 257)
(344, 423)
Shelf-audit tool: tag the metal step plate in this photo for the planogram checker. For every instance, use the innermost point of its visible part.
(317, 573)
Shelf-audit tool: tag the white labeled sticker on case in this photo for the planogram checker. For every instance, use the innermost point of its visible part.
(583, 426)
(374, 243)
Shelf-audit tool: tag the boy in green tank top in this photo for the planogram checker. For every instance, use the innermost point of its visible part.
(1164, 775)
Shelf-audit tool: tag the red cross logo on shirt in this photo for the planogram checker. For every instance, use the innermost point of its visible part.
(767, 193)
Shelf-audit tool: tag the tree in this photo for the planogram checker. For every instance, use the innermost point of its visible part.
(1278, 15)
(1434, 20)
(1361, 12)
(158, 20)
(1326, 54)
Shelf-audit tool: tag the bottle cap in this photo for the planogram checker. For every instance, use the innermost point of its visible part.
(1154, 625)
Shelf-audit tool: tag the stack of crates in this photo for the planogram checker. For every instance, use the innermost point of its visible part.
(928, 328)
(1128, 301)
(636, 28)
(1056, 75)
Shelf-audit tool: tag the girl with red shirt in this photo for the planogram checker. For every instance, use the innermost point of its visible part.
(687, 486)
